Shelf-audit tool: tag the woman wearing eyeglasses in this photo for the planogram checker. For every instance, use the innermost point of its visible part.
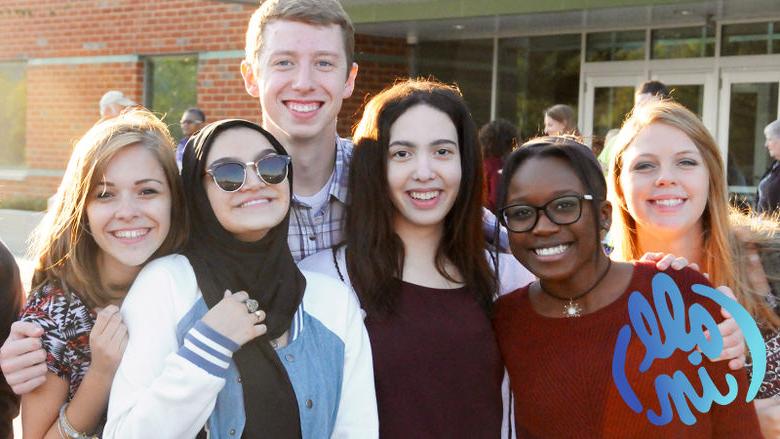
(230, 333)
(558, 336)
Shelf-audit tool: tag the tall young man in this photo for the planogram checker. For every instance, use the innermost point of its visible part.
(300, 65)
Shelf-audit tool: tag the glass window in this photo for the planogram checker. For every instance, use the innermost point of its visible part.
(467, 63)
(172, 87)
(691, 96)
(13, 111)
(750, 39)
(535, 73)
(753, 106)
(683, 42)
(610, 107)
(615, 46)
(775, 33)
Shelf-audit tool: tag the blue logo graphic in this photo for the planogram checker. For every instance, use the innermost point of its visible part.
(665, 333)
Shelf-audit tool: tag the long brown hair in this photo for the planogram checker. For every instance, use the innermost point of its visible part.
(722, 252)
(374, 252)
(65, 252)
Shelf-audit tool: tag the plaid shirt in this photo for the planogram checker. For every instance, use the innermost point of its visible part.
(311, 231)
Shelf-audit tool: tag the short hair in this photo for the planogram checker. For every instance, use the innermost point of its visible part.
(64, 249)
(196, 111)
(313, 12)
(655, 88)
(772, 130)
(565, 115)
(498, 137)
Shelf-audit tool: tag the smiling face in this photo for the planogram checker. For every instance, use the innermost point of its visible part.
(552, 251)
(665, 181)
(423, 167)
(251, 211)
(552, 127)
(301, 79)
(129, 210)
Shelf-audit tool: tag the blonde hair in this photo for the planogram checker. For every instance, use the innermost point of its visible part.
(722, 252)
(313, 12)
(64, 250)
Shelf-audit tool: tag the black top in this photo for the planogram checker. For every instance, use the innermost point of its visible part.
(769, 190)
(437, 366)
(11, 297)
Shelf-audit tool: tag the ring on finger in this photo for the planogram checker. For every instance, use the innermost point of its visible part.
(252, 305)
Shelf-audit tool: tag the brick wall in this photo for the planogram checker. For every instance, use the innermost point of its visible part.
(380, 61)
(77, 50)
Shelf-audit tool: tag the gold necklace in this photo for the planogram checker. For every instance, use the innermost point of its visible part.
(570, 308)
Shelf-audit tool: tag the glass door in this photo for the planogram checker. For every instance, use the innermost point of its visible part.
(607, 99)
(697, 91)
(749, 101)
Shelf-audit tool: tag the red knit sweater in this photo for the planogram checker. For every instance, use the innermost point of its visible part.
(561, 372)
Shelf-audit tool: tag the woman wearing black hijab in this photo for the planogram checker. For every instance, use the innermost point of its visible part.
(287, 356)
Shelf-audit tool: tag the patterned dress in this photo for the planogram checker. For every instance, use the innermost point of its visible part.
(66, 322)
(771, 386)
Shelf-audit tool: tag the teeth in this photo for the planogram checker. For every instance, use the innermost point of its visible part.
(424, 195)
(670, 202)
(303, 108)
(551, 251)
(255, 202)
(130, 234)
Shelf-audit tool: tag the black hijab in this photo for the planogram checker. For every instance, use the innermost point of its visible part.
(265, 269)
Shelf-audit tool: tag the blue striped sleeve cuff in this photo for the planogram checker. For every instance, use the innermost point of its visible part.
(208, 349)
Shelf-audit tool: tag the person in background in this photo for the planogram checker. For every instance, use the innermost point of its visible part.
(560, 119)
(769, 187)
(649, 90)
(11, 299)
(497, 139)
(113, 102)
(191, 121)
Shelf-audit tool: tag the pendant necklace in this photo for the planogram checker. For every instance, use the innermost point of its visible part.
(571, 308)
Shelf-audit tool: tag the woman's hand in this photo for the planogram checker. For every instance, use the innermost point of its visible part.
(733, 339)
(22, 357)
(107, 341)
(768, 411)
(231, 318)
(666, 260)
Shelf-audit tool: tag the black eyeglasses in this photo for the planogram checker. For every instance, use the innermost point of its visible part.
(230, 176)
(563, 210)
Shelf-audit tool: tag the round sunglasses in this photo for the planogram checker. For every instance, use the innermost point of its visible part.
(230, 176)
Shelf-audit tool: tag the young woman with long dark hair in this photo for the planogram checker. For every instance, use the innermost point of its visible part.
(416, 256)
